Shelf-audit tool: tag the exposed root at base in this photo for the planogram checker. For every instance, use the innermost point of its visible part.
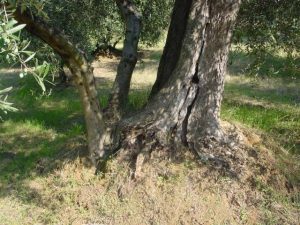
(236, 158)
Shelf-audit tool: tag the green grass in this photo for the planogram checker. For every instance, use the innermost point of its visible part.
(271, 106)
(38, 130)
(44, 123)
(48, 127)
(276, 64)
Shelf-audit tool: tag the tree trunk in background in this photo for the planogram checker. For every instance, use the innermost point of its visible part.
(82, 73)
(187, 109)
(128, 61)
(173, 45)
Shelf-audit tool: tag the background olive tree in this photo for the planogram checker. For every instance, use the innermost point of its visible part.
(14, 51)
(265, 27)
(102, 24)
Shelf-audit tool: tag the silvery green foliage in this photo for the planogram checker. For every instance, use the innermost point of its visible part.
(4, 105)
(266, 26)
(155, 19)
(14, 51)
(92, 22)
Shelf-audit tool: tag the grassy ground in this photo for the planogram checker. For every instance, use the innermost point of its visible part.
(49, 130)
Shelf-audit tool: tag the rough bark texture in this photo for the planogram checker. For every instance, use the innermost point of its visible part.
(194, 92)
(63, 78)
(173, 45)
(82, 73)
(204, 113)
(186, 111)
(129, 56)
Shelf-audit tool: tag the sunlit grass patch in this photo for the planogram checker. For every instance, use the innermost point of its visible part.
(23, 136)
(39, 130)
(272, 64)
(271, 105)
(22, 144)
(138, 98)
(50, 128)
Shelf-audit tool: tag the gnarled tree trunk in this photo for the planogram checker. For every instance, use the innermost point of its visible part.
(187, 109)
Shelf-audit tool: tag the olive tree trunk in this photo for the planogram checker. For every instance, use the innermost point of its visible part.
(119, 94)
(173, 45)
(82, 74)
(186, 110)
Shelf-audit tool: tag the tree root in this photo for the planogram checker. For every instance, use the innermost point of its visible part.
(135, 144)
(232, 157)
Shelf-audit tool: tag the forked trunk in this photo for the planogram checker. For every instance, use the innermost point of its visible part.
(173, 45)
(187, 108)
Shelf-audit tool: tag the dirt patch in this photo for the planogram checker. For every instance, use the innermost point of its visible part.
(238, 184)
(242, 186)
(165, 189)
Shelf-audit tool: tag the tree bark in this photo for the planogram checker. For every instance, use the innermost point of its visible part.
(187, 109)
(119, 94)
(82, 73)
(63, 78)
(173, 45)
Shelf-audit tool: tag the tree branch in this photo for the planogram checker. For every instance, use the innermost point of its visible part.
(83, 76)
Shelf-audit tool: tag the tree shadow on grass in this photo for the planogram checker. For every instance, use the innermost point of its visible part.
(279, 92)
(32, 148)
(46, 133)
(40, 129)
(275, 66)
(25, 173)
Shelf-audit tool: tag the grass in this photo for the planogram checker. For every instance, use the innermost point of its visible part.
(48, 128)
(271, 106)
(274, 64)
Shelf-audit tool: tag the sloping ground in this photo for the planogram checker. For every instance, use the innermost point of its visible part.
(166, 190)
(45, 178)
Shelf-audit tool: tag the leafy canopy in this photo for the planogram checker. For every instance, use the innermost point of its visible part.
(269, 26)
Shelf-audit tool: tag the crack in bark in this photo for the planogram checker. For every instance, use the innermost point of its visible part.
(194, 82)
(185, 120)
